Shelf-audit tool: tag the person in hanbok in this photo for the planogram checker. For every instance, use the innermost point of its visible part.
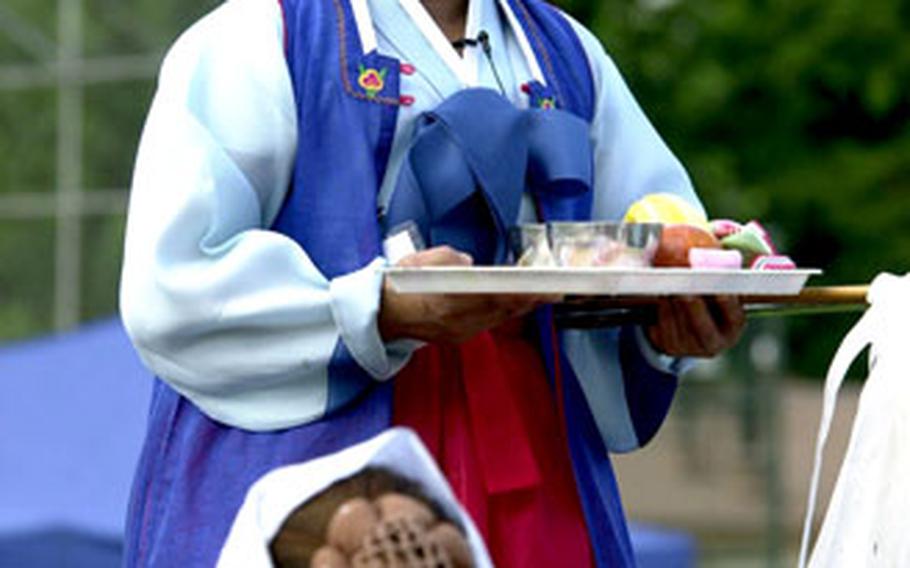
(284, 140)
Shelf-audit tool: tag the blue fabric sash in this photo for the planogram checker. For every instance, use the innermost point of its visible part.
(470, 161)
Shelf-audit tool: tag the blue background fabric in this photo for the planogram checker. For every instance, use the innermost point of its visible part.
(73, 417)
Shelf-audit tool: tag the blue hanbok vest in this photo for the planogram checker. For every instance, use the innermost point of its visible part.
(194, 472)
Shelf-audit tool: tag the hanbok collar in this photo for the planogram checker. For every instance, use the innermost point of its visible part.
(464, 69)
(364, 22)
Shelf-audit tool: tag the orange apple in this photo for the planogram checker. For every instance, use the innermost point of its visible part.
(677, 239)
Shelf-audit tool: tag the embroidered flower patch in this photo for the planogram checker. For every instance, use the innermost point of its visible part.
(546, 103)
(540, 96)
(371, 80)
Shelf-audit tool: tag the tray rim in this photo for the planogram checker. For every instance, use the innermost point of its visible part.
(576, 270)
(398, 273)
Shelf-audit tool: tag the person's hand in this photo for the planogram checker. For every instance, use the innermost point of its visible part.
(447, 318)
(699, 326)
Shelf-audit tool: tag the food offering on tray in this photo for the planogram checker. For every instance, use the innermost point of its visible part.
(753, 242)
(690, 240)
(727, 244)
(660, 230)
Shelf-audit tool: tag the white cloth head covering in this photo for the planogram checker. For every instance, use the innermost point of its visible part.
(272, 499)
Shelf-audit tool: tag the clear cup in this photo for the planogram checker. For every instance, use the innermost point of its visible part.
(531, 245)
(604, 244)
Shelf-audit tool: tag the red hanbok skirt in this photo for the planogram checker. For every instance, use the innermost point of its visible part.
(488, 414)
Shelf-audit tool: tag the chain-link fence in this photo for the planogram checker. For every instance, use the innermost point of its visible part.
(76, 77)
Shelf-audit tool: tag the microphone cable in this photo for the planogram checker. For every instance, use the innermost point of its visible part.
(483, 40)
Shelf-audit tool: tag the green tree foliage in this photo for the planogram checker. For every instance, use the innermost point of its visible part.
(793, 112)
(113, 112)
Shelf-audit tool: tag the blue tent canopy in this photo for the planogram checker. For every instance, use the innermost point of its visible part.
(72, 420)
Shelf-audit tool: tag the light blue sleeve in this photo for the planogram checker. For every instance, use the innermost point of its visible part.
(235, 317)
(627, 383)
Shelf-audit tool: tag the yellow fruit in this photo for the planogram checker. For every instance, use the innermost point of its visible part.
(665, 208)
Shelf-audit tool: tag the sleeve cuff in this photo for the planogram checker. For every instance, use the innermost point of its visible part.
(355, 306)
(659, 361)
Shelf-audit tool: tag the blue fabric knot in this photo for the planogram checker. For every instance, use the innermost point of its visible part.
(473, 157)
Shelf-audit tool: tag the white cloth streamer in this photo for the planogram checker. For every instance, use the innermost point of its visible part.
(868, 519)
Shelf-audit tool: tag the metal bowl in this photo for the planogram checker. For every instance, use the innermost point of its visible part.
(587, 244)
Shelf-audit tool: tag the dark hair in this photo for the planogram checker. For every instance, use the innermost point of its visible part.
(304, 531)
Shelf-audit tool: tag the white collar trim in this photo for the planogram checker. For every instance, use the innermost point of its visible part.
(523, 42)
(465, 68)
(364, 22)
(440, 43)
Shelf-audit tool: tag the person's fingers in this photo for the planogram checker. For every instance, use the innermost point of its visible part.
(704, 336)
(730, 317)
(685, 344)
(655, 331)
(437, 256)
(457, 317)
(664, 334)
(520, 302)
(697, 326)
(507, 305)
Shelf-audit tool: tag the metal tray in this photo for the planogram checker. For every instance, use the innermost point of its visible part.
(595, 281)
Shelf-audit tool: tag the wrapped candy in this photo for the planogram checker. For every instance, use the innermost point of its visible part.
(715, 258)
(751, 238)
(772, 262)
(725, 227)
(753, 242)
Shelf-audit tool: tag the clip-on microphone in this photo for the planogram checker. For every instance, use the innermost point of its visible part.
(482, 39)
